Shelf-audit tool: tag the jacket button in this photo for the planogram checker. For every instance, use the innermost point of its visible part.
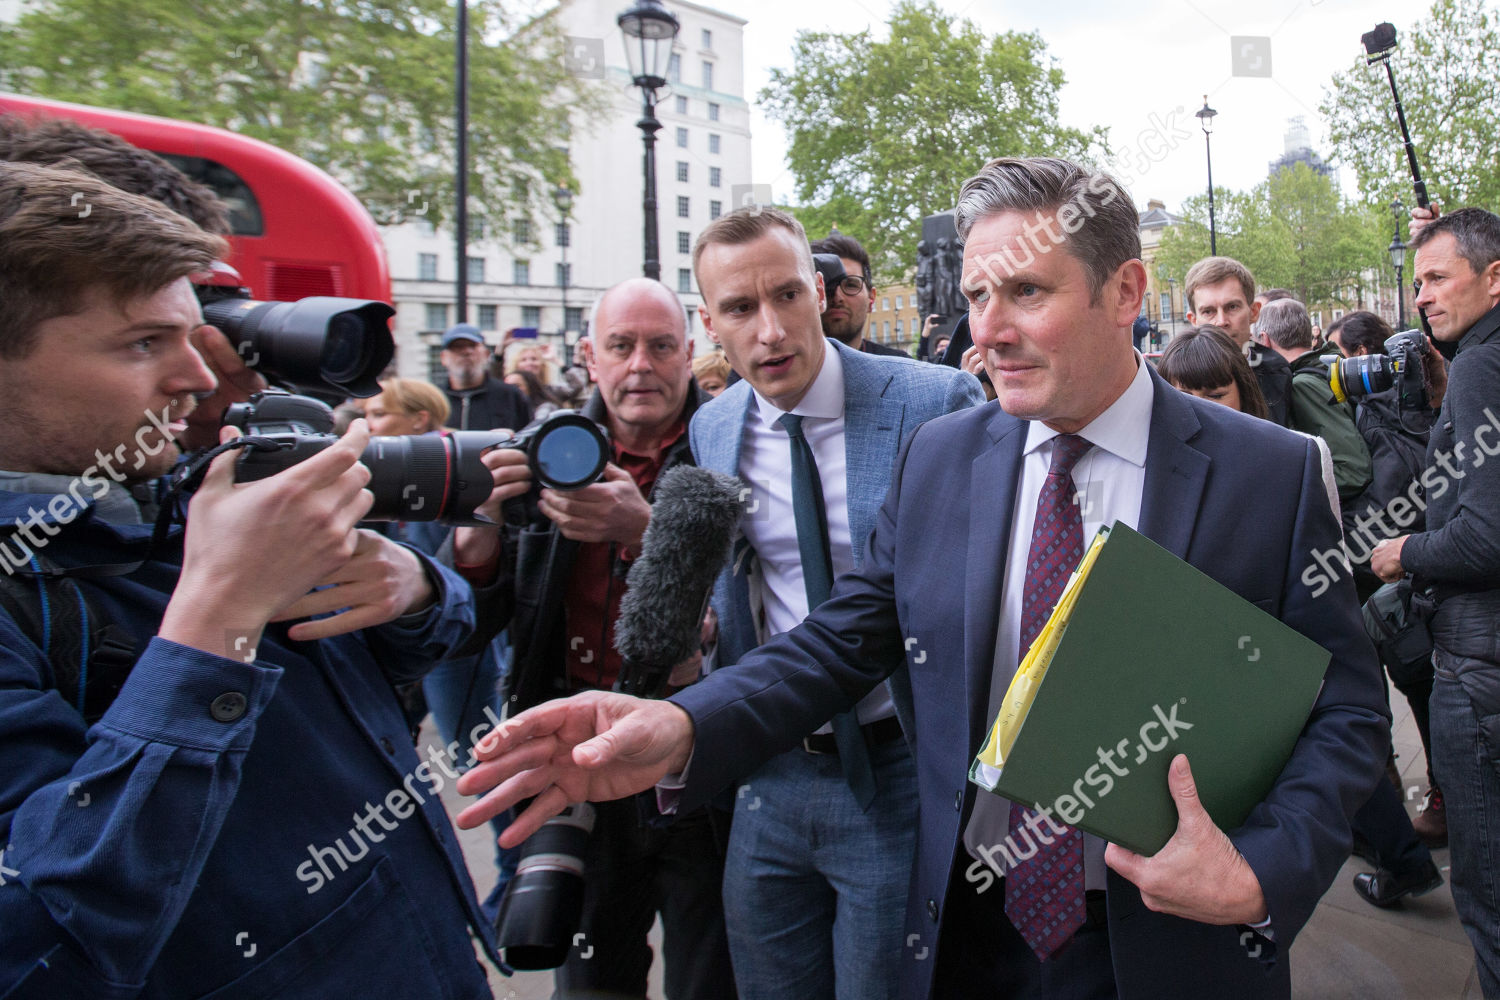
(388, 746)
(932, 908)
(228, 706)
(958, 801)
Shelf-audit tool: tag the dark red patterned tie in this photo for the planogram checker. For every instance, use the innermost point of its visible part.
(1044, 892)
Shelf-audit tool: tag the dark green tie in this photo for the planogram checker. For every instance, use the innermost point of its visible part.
(817, 575)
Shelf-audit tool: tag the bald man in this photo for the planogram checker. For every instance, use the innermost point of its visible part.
(561, 607)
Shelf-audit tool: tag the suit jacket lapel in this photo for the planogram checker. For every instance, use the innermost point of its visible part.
(1175, 471)
(992, 497)
(724, 430)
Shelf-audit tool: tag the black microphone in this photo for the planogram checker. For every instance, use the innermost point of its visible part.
(693, 516)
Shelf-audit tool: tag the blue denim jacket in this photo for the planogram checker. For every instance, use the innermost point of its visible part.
(283, 841)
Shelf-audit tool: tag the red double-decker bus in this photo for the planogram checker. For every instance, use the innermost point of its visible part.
(295, 231)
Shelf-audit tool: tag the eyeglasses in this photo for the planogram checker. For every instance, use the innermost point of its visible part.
(853, 285)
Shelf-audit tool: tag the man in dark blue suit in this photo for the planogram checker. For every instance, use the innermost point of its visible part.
(1053, 278)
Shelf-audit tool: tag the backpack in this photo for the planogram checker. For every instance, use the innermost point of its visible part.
(88, 657)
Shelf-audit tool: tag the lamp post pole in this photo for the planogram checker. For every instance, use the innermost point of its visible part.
(1205, 117)
(649, 30)
(1397, 250)
(461, 171)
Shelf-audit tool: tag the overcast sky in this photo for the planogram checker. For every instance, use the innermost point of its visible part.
(1126, 62)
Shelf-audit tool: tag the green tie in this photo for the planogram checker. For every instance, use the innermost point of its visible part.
(817, 576)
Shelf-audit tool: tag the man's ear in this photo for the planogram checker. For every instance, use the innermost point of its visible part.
(1255, 310)
(1191, 317)
(1492, 279)
(586, 353)
(822, 292)
(708, 323)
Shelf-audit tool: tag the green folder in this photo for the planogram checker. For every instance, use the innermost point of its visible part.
(1146, 657)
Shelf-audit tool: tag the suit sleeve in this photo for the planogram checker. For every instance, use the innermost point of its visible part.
(963, 392)
(1297, 839)
(800, 679)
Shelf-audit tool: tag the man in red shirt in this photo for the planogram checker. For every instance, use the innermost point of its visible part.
(557, 583)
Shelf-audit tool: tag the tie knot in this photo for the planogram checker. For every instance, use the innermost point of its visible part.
(1067, 449)
(792, 424)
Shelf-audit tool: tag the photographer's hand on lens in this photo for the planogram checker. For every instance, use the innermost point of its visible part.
(1198, 874)
(237, 383)
(592, 747)
(1385, 560)
(381, 582)
(253, 549)
(612, 510)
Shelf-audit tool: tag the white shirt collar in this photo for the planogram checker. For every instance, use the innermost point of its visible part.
(824, 398)
(1123, 430)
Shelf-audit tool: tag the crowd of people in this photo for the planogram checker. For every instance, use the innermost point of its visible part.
(209, 690)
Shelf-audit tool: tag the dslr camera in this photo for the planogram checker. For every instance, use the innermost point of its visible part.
(417, 477)
(1400, 366)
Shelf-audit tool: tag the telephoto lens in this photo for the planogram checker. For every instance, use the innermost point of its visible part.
(544, 902)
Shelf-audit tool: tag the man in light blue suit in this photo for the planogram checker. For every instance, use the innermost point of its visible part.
(821, 847)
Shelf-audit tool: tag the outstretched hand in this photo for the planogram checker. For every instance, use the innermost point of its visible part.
(1198, 874)
(592, 747)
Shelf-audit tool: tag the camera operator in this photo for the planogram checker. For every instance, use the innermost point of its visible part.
(1458, 557)
(214, 820)
(557, 583)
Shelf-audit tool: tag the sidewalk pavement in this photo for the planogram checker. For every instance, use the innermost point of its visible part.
(1349, 949)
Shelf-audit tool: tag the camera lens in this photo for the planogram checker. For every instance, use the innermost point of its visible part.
(544, 902)
(343, 354)
(568, 452)
(1362, 375)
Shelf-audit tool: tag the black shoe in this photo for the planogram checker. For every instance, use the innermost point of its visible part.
(1385, 888)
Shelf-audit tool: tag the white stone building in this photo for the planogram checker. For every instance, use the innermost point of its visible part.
(702, 156)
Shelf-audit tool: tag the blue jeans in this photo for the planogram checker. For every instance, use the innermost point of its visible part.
(814, 888)
(457, 692)
(1464, 764)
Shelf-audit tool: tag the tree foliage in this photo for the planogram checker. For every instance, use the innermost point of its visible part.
(1293, 230)
(885, 132)
(1450, 87)
(364, 91)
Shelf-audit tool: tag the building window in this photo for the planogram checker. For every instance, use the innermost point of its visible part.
(1166, 305)
(715, 209)
(475, 273)
(714, 176)
(682, 138)
(713, 143)
(708, 75)
(427, 267)
(708, 39)
(476, 227)
(437, 316)
(684, 242)
(674, 68)
(885, 303)
(531, 316)
(681, 105)
(887, 331)
(713, 112)
(684, 279)
(520, 272)
(899, 301)
(682, 207)
(564, 235)
(564, 274)
(899, 330)
(487, 317)
(1317, 318)
(573, 318)
(682, 168)
(521, 230)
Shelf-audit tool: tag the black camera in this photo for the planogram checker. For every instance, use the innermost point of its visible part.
(418, 477)
(544, 902)
(1401, 366)
(1379, 43)
(320, 344)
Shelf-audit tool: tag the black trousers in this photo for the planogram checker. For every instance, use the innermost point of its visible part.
(981, 954)
(633, 873)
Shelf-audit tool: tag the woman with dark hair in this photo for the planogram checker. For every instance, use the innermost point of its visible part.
(545, 400)
(1204, 362)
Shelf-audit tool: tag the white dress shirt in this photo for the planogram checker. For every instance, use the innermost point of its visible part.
(766, 463)
(1109, 479)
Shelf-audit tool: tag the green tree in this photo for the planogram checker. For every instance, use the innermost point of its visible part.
(1450, 87)
(885, 132)
(363, 91)
(1294, 231)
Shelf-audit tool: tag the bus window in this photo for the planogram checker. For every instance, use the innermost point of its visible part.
(244, 210)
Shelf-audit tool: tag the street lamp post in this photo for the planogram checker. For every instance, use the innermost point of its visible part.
(1172, 295)
(649, 30)
(1205, 117)
(1397, 250)
(563, 199)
